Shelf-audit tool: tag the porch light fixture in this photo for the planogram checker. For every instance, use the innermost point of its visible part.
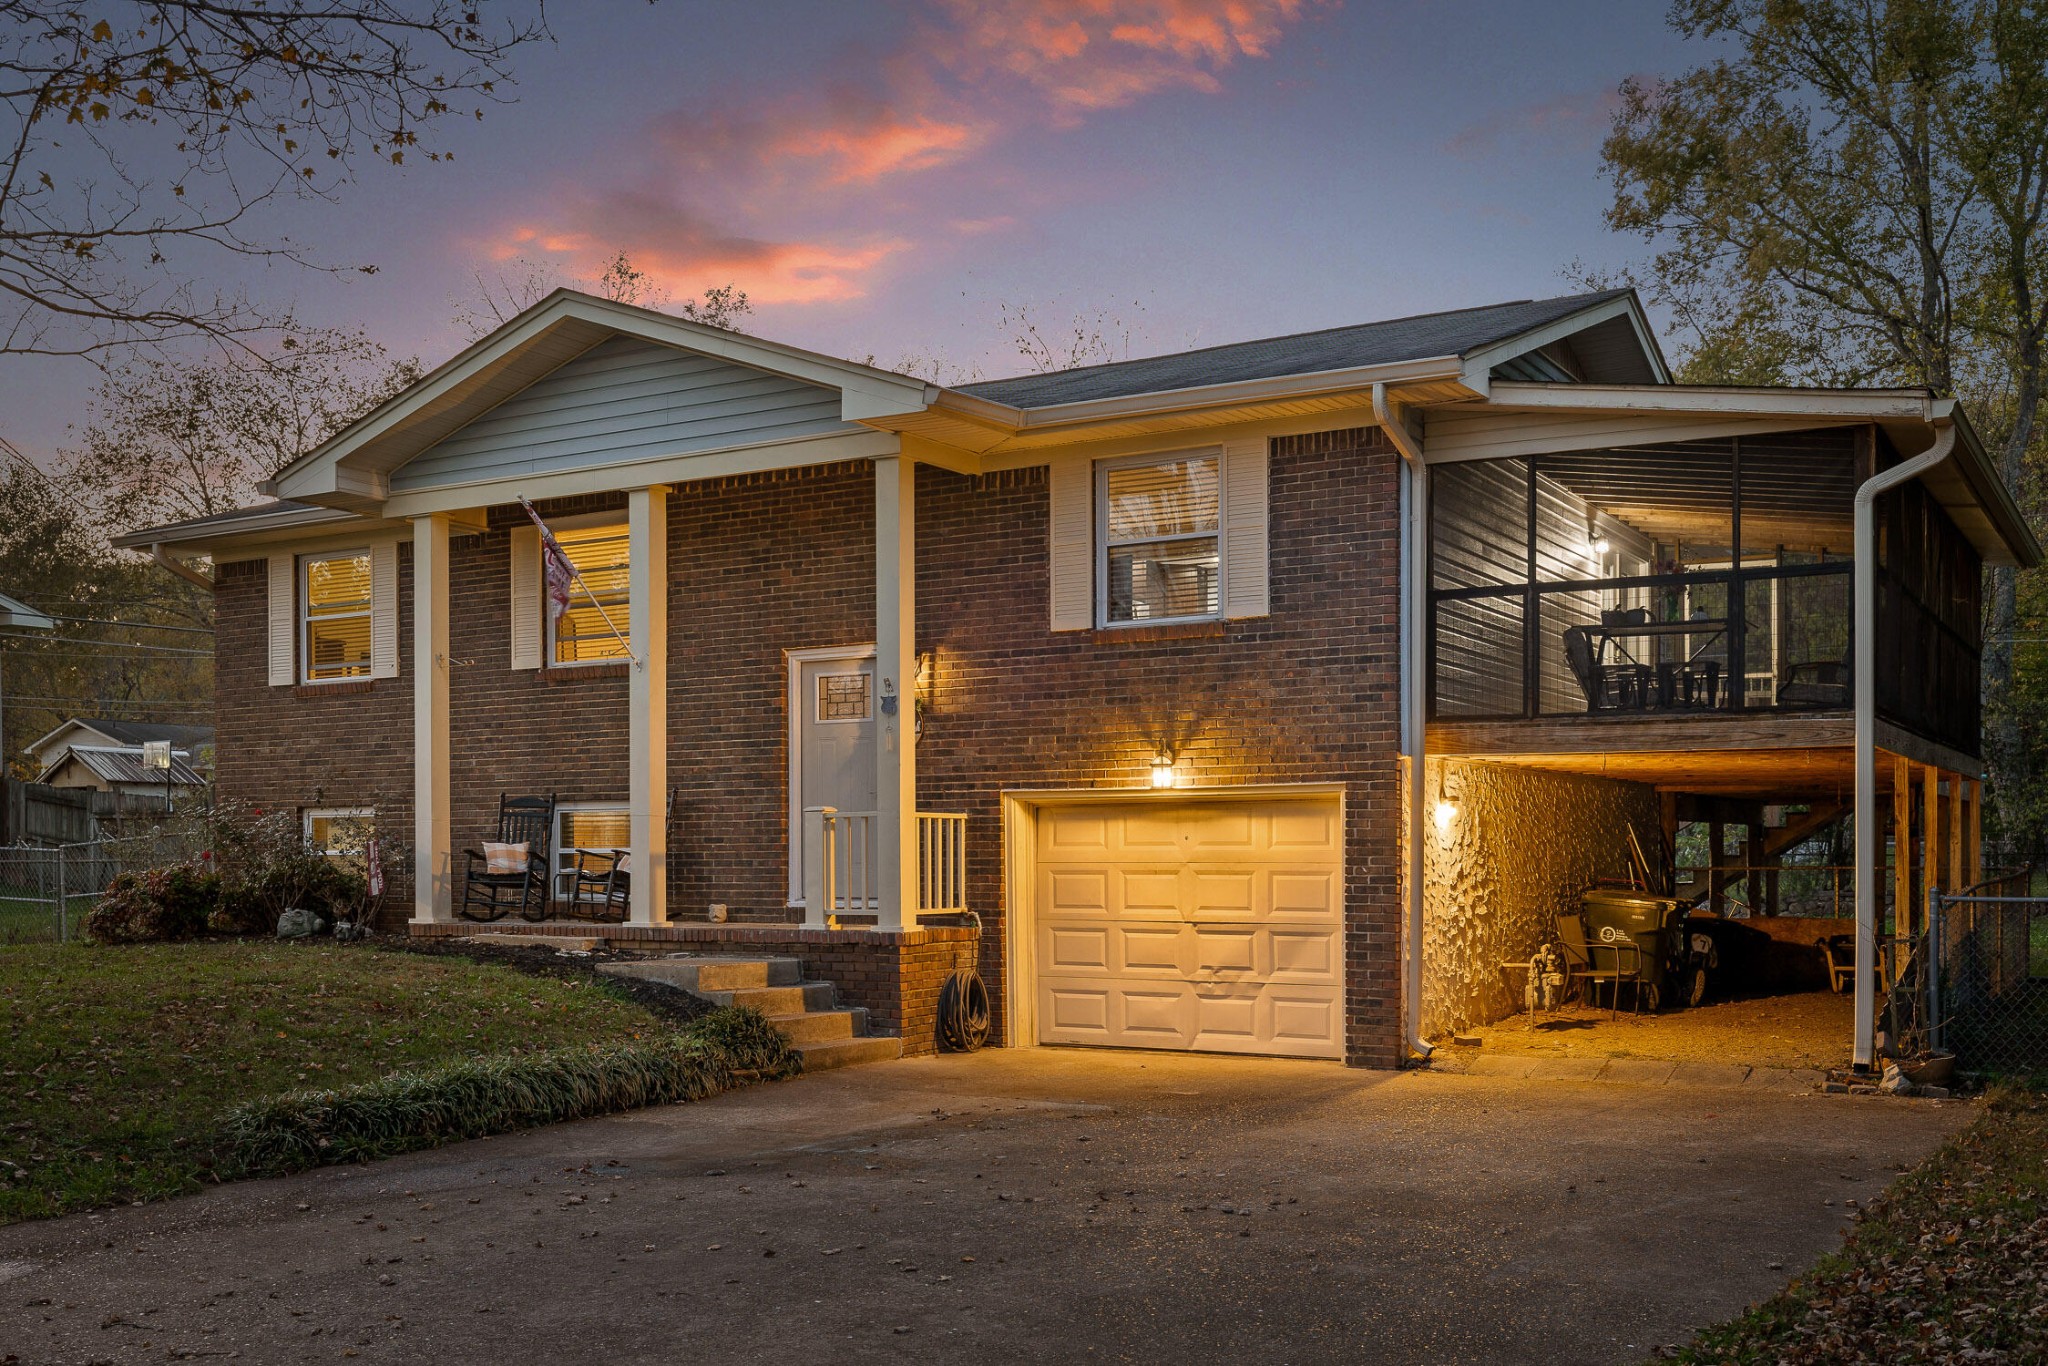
(1445, 811)
(1593, 537)
(1162, 770)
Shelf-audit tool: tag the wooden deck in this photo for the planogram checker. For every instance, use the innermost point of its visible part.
(1806, 754)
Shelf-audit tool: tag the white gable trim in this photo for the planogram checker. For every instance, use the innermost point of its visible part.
(352, 469)
(1478, 367)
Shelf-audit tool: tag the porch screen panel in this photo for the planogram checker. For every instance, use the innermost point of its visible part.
(1928, 638)
(1478, 656)
(1479, 524)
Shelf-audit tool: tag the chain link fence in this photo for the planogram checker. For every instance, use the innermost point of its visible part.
(1988, 994)
(46, 890)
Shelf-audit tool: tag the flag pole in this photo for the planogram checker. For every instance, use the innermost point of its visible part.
(576, 575)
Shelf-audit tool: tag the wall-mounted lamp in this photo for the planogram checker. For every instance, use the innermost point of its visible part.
(1593, 536)
(1162, 770)
(921, 695)
(1445, 811)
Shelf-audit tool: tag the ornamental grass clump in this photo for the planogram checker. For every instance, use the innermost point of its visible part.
(406, 1112)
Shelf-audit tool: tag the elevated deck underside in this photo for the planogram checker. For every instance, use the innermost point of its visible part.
(1807, 755)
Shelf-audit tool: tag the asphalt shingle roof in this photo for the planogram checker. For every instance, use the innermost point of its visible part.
(126, 766)
(1303, 353)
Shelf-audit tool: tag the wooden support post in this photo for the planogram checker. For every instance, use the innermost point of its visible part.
(1958, 876)
(1973, 842)
(1902, 843)
(1715, 901)
(433, 888)
(1752, 860)
(647, 702)
(1930, 827)
(896, 862)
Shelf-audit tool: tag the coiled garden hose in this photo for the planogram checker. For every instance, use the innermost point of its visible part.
(963, 1013)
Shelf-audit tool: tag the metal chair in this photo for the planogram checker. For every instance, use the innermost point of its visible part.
(1626, 964)
(601, 885)
(488, 896)
(1608, 687)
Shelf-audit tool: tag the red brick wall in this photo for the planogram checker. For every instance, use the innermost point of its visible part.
(770, 563)
(338, 744)
(1306, 694)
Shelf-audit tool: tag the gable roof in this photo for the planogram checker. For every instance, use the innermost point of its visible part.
(123, 764)
(123, 733)
(1460, 332)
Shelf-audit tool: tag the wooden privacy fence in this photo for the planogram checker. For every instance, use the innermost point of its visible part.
(33, 813)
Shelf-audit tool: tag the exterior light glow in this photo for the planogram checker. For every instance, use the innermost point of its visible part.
(1162, 771)
(1446, 812)
(1600, 547)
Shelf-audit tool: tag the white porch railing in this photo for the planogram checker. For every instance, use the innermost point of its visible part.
(839, 864)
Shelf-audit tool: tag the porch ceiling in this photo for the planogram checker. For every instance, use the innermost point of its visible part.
(1772, 773)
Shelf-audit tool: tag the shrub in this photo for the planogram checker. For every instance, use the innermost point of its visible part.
(404, 1112)
(157, 905)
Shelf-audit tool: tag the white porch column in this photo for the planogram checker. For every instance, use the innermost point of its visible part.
(433, 884)
(647, 727)
(896, 861)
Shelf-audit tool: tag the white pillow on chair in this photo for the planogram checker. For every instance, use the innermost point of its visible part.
(501, 859)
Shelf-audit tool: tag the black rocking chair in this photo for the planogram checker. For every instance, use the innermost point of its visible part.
(488, 895)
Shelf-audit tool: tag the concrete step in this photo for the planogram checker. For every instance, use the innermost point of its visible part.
(561, 943)
(826, 1054)
(707, 975)
(794, 1000)
(817, 1026)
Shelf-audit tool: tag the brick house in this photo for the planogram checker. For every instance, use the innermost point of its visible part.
(1257, 699)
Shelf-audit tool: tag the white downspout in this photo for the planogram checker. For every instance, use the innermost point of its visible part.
(1863, 672)
(1414, 685)
(163, 560)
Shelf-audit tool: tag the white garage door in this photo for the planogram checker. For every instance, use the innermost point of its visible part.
(1189, 924)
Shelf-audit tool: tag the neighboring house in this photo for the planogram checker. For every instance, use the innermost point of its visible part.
(1136, 662)
(107, 756)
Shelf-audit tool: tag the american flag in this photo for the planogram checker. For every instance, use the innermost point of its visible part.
(556, 570)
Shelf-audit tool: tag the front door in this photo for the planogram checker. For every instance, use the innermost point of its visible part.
(832, 740)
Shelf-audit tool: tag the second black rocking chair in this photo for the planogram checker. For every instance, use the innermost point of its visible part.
(510, 873)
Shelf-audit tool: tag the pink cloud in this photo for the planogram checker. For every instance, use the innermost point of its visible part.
(967, 75)
(1574, 120)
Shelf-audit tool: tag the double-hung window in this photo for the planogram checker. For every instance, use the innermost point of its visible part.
(594, 628)
(334, 598)
(1158, 522)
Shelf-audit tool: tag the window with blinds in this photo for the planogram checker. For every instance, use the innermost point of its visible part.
(581, 634)
(1159, 522)
(334, 597)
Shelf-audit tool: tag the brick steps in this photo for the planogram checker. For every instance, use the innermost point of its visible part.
(828, 1034)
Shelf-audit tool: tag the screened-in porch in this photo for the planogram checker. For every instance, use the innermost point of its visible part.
(1691, 578)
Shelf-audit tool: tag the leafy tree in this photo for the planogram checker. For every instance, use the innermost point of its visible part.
(1857, 192)
(145, 136)
(498, 297)
(131, 642)
(168, 440)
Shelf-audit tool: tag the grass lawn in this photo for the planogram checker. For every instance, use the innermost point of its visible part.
(117, 1063)
(1950, 1265)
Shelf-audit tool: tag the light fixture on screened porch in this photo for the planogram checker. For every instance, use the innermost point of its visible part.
(1594, 540)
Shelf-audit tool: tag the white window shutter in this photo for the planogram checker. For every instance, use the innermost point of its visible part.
(1072, 543)
(526, 632)
(284, 618)
(1244, 529)
(384, 610)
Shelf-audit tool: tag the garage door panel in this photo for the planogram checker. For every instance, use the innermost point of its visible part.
(1190, 924)
(1226, 950)
(1076, 891)
(1152, 892)
(1303, 953)
(1075, 948)
(1159, 950)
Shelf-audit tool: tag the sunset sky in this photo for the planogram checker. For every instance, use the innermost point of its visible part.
(883, 178)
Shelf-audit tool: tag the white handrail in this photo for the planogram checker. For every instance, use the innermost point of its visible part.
(839, 863)
(942, 860)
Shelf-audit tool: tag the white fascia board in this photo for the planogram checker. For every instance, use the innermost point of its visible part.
(865, 390)
(824, 449)
(1867, 405)
(1478, 367)
(195, 537)
(14, 612)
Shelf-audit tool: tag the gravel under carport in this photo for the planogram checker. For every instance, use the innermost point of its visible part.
(1014, 1205)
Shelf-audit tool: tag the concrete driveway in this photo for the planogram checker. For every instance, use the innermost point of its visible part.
(1038, 1205)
